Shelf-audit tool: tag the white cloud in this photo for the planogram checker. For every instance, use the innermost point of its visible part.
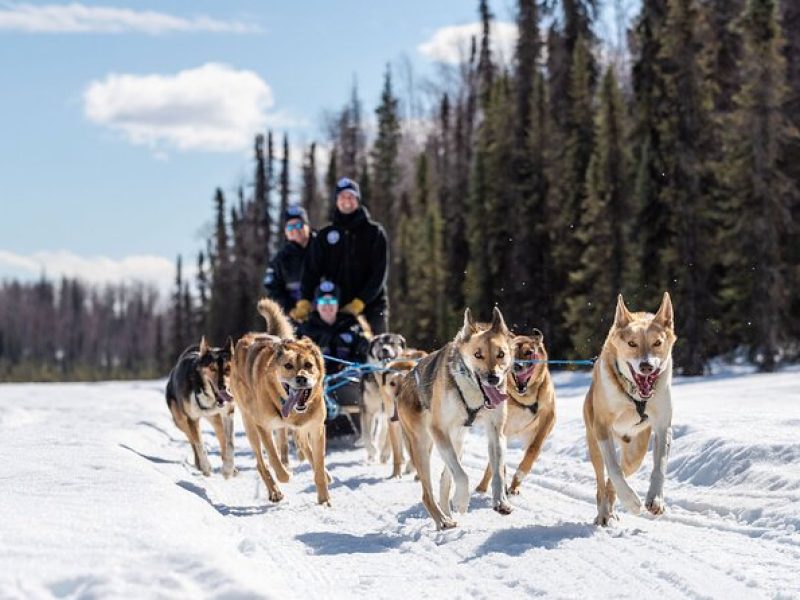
(212, 107)
(155, 270)
(451, 44)
(80, 18)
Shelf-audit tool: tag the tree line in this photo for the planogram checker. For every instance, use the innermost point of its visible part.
(548, 183)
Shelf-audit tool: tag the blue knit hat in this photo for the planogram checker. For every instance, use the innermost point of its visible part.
(347, 184)
(295, 211)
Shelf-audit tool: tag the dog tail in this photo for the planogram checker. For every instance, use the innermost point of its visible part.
(277, 321)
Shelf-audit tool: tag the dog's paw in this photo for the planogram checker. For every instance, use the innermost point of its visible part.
(504, 508)
(655, 505)
(481, 489)
(513, 489)
(632, 502)
(228, 472)
(446, 523)
(275, 496)
(283, 475)
(460, 501)
(605, 519)
(324, 502)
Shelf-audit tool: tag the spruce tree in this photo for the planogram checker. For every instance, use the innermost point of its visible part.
(756, 291)
(284, 184)
(178, 326)
(653, 217)
(220, 323)
(685, 141)
(385, 150)
(604, 268)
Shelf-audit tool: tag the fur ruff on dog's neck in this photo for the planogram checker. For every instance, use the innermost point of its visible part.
(456, 368)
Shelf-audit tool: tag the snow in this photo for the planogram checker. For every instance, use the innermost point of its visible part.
(98, 500)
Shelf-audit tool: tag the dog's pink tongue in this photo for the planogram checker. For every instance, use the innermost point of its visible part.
(645, 383)
(525, 374)
(494, 395)
(288, 407)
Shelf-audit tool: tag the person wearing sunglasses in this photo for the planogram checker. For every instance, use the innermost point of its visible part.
(282, 279)
(353, 252)
(337, 333)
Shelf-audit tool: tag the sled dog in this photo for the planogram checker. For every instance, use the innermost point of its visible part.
(278, 384)
(630, 398)
(446, 393)
(374, 419)
(199, 386)
(390, 382)
(531, 405)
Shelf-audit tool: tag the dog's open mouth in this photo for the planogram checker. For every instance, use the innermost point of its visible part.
(522, 377)
(492, 396)
(645, 383)
(297, 400)
(223, 397)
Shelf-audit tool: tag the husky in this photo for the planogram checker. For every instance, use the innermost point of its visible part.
(628, 400)
(199, 386)
(390, 382)
(374, 420)
(448, 391)
(278, 384)
(531, 405)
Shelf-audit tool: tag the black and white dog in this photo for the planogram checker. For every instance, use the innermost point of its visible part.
(199, 386)
(374, 415)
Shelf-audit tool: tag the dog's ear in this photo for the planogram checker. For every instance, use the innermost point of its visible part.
(498, 323)
(623, 316)
(229, 345)
(402, 341)
(203, 345)
(537, 335)
(469, 325)
(665, 316)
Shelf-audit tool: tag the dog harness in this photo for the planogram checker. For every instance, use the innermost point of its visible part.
(534, 408)
(472, 413)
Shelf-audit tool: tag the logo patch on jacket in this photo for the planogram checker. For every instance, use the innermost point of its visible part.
(332, 237)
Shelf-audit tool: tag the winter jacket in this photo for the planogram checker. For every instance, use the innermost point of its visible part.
(344, 339)
(282, 279)
(353, 253)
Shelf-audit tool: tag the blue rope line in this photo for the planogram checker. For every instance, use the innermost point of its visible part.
(587, 362)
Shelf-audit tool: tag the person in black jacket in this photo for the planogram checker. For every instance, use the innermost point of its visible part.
(282, 279)
(353, 253)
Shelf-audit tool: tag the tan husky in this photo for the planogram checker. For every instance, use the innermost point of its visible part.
(277, 383)
(629, 398)
(531, 405)
(389, 382)
(447, 392)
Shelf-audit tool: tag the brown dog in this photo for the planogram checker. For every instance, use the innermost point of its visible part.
(278, 384)
(531, 405)
(630, 398)
(389, 384)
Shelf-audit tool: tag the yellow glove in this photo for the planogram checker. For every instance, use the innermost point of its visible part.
(300, 311)
(355, 307)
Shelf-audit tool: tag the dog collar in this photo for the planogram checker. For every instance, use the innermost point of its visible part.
(631, 391)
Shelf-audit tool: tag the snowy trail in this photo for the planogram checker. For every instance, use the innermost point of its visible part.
(99, 500)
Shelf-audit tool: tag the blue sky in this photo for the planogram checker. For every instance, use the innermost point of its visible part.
(113, 142)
